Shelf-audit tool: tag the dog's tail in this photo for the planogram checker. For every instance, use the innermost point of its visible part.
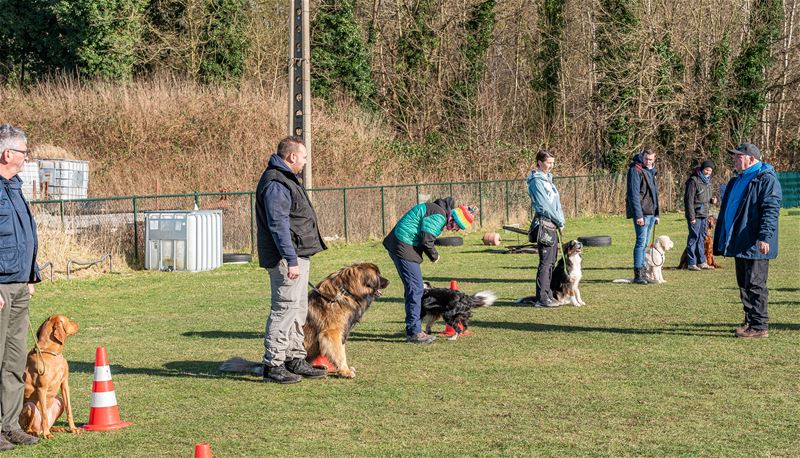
(484, 299)
(622, 280)
(239, 365)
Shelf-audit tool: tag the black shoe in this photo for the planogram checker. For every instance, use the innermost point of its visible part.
(300, 366)
(5, 444)
(420, 338)
(279, 374)
(638, 277)
(548, 303)
(20, 437)
(528, 300)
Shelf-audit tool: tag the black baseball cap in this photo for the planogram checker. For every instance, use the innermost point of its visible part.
(748, 149)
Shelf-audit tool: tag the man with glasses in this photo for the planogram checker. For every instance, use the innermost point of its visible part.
(18, 272)
(747, 229)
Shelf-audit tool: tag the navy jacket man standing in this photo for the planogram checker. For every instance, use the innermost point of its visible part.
(18, 273)
(747, 229)
(287, 238)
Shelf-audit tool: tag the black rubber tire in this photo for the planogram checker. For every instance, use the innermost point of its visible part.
(595, 240)
(449, 241)
(236, 258)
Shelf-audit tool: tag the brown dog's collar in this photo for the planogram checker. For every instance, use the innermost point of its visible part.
(51, 353)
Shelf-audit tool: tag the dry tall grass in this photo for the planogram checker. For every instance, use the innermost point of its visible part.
(170, 136)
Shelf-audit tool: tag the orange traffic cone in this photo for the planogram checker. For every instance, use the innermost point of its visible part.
(448, 330)
(104, 412)
(202, 450)
(322, 362)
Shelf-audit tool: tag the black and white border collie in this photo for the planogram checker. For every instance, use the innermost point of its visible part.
(565, 282)
(453, 306)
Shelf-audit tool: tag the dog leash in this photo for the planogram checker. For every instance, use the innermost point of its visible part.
(43, 369)
(653, 248)
(561, 249)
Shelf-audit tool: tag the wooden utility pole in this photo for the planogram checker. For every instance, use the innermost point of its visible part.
(300, 79)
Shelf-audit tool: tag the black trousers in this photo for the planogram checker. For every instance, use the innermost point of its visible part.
(547, 259)
(751, 276)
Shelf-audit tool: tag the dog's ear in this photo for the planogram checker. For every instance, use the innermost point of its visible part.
(45, 329)
(59, 332)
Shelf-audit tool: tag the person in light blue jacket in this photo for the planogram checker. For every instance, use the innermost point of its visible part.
(548, 218)
(747, 229)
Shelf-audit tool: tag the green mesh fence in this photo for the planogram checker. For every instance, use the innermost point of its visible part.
(790, 185)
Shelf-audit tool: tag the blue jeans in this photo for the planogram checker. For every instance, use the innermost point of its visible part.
(695, 243)
(411, 275)
(642, 237)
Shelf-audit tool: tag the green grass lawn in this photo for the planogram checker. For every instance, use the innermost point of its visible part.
(641, 370)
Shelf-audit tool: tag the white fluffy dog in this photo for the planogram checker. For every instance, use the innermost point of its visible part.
(654, 259)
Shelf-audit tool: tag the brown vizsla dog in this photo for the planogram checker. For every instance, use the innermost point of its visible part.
(45, 372)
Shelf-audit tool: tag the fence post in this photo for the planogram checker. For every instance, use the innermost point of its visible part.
(383, 212)
(480, 202)
(344, 204)
(575, 188)
(507, 204)
(416, 197)
(61, 211)
(252, 220)
(196, 199)
(135, 233)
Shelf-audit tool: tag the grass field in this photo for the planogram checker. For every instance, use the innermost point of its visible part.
(641, 370)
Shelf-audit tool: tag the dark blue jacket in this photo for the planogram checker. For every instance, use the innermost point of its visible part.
(19, 243)
(756, 218)
(286, 221)
(641, 198)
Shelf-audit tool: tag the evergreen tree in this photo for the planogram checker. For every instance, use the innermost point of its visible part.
(615, 61)
(750, 67)
(339, 56)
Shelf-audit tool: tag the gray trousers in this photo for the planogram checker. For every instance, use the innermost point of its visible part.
(13, 352)
(283, 337)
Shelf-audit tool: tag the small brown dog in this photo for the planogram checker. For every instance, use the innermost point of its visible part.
(45, 372)
(708, 248)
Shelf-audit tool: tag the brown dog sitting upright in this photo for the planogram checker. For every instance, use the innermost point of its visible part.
(45, 372)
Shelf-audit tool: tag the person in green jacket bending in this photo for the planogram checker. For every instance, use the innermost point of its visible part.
(412, 236)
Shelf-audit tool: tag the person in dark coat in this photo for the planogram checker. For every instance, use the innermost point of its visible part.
(641, 205)
(18, 273)
(697, 196)
(288, 236)
(747, 229)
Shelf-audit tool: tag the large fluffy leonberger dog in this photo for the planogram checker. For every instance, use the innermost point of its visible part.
(335, 305)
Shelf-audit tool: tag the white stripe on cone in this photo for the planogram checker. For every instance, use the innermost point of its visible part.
(102, 373)
(104, 399)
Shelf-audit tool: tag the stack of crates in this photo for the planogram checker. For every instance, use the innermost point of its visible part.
(64, 179)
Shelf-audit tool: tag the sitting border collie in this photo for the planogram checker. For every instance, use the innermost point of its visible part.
(565, 281)
(453, 306)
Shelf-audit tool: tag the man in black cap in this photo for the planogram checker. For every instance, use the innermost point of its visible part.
(747, 229)
(696, 202)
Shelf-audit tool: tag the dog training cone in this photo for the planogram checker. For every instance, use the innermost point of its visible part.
(448, 330)
(104, 412)
(202, 450)
(322, 362)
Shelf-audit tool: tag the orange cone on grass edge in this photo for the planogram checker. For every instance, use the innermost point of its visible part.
(448, 330)
(202, 450)
(104, 412)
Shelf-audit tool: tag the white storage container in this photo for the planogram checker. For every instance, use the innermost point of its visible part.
(188, 241)
(64, 179)
(30, 180)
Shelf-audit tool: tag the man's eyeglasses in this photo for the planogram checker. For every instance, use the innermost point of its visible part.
(26, 152)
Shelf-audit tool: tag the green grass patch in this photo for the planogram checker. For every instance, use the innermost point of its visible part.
(641, 370)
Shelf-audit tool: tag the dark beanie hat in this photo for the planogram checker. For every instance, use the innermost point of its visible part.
(708, 163)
